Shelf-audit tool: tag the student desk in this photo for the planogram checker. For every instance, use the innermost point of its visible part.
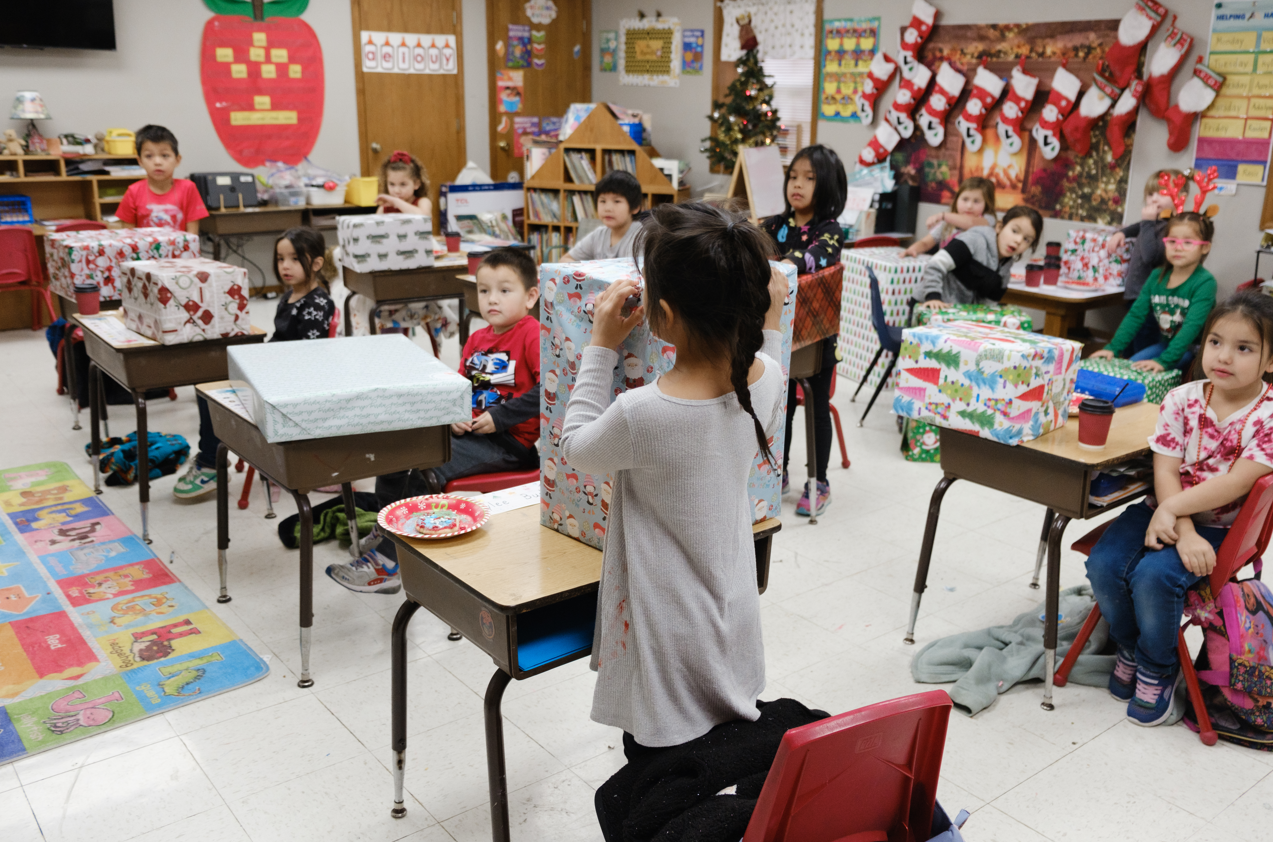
(302, 466)
(522, 593)
(268, 219)
(1062, 308)
(140, 364)
(406, 286)
(1052, 471)
(68, 307)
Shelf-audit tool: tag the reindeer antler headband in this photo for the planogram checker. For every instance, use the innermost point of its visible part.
(1177, 189)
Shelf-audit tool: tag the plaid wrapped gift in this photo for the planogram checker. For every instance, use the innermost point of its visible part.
(818, 306)
(185, 300)
(1157, 385)
(898, 277)
(94, 257)
(1083, 257)
(1012, 318)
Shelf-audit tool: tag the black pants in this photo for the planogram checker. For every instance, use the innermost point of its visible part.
(820, 405)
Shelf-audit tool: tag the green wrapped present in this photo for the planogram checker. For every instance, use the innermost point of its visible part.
(921, 442)
(1013, 318)
(1157, 385)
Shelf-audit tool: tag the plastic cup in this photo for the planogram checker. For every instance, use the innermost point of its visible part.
(452, 243)
(88, 300)
(1095, 416)
(1033, 274)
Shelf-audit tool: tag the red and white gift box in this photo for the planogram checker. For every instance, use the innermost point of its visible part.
(94, 257)
(1084, 259)
(184, 300)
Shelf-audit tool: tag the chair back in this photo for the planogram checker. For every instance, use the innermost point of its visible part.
(870, 774)
(877, 316)
(333, 330)
(876, 242)
(80, 225)
(1248, 537)
(19, 259)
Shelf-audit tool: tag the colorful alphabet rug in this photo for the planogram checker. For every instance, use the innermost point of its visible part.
(95, 631)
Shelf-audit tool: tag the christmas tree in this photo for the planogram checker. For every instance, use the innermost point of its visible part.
(746, 118)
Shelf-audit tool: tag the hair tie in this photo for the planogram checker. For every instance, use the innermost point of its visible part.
(399, 157)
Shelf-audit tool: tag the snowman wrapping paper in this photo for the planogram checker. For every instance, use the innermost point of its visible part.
(184, 300)
(578, 504)
(94, 257)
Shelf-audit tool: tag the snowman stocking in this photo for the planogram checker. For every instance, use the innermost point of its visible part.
(1136, 28)
(1021, 89)
(916, 33)
(1121, 117)
(1077, 128)
(877, 78)
(1196, 96)
(932, 117)
(1162, 67)
(909, 92)
(986, 88)
(881, 143)
(1065, 90)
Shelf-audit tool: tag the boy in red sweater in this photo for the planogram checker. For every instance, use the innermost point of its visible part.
(502, 360)
(161, 201)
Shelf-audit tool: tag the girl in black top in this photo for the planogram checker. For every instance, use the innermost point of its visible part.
(810, 237)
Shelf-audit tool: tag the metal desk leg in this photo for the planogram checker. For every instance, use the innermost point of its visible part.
(463, 312)
(349, 322)
(1052, 602)
(399, 692)
(926, 553)
(223, 519)
(95, 414)
(1043, 547)
(143, 465)
(811, 450)
(102, 409)
(68, 366)
(347, 492)
(269, 499)
(307, 583)
(495, 755)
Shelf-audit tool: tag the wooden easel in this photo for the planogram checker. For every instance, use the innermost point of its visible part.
(758, 179)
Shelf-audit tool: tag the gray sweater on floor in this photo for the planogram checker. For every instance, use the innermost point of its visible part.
(968, 270)
(677, 646)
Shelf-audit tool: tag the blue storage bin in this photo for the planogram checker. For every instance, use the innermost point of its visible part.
(16, 210)
(1106, 387)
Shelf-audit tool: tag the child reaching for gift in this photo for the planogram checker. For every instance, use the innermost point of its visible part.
(1148, 251)
(1214, 439)
(161, 201)
(404, 186)
(618, 195)
(975, 266)
(974, 205)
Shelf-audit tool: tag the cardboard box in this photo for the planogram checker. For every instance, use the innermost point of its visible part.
(1157, 385)
(185, 299)
(577, 504)
(898, 277)
(322, 388)
(1083, 258)
(385, 242)
(94, 257)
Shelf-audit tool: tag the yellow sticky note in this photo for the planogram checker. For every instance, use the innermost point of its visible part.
(293, 71)
(1238, 85)
(261, 102)
(278, 55)
(1264, 63)
(1227, 106)
(258, 39)
(1232, 63)
(262, 118)
(1259, 129)
(1251, 173)
(1261, 107)
(238, 71)
(256, 53)
(1261, 85)
(268, 72)
(225, 54)
(1221, 127)
(1233, 41)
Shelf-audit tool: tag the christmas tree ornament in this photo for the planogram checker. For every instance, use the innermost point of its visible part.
(909, 92)
(1022, 87)
(1121, 117)
(916, 33)
(1195, 97)
(1061, 99)
(1077, 128)
(986, 89)
(877, 78)
(879, 146)
(1162, 67)
(932, 117)
(1134, 31)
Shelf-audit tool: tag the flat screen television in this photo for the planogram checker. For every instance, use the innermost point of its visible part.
(67, 24)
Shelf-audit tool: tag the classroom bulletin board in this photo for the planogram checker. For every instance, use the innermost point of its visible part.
(650, 52)
(847, 47)
(1235, 135)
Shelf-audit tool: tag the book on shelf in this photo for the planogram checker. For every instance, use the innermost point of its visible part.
(620, 160)
(579, 163)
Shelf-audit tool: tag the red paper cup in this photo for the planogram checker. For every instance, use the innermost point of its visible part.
(475, 260)
(1095, 416)
(1054, 249)
(452, 243)
(88, 303)
(1051, 275)
(1033, 275)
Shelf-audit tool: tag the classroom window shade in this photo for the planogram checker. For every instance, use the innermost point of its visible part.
(792, 80)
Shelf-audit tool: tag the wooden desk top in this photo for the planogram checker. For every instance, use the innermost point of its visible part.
(1129, 434)
(121, 337)
(1060, 293)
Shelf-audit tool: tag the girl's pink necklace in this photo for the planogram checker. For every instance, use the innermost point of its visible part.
(1237, 451)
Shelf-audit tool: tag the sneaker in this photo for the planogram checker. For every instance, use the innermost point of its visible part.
(370, 541)
(371, 573)
(195, 482)
(1152, 704)
(824, 498)
(1122, 682)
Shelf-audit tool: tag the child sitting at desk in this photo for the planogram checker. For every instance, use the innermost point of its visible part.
(974, 205)
(502, 360)
(618, 196)
(404, 186)
(1148, 252)
(300, 258)
(161, 201)
(976, 265)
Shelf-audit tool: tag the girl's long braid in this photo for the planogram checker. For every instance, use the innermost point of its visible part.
(749, 339)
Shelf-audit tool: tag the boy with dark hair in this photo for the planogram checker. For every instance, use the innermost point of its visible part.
(502, 360)
(161, 201)
(618, 195)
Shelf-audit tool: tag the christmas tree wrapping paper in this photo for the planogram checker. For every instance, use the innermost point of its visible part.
(1005, 385)
(1084, 258)
(898, 278)
(578, 504)
(385, 242)
(322, 388)
(818, 306)
(1157, 385)
(185, 300)
(94, 257)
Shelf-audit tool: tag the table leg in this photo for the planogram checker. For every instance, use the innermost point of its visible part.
(463, 312)
(216, 247)
(307, 583)
(1043, 548)
(347, 492)
(1055, 323)
(102, 408)
(811, 450)
(495, 755)
(399, 693)
(143, 464)
(223, 519)
(95, 414)
(68, 366)
(1052, 603)
(926, 553)
(269, 500)
(349, 322)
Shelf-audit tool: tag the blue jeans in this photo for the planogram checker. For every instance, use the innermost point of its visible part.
(1141, 591)
(1152, 351)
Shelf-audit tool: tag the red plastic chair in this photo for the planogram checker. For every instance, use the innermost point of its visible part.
(1247, 540)
(835, 418)
(487, 483)
(20, 270)
(876, 242)
(80, 225)
(868, 775)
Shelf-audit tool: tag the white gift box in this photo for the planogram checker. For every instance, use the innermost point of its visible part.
(184, 300)
(898, 276)
(385, 242)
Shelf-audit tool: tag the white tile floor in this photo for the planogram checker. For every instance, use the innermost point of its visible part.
(274, 762)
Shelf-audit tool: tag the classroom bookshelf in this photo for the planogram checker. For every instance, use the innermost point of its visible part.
(56, 195)
(560, 193)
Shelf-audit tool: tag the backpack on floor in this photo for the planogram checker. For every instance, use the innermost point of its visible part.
(119, 456)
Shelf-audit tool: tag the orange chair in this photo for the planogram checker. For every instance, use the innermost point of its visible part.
(875, 242)
(1247, 540)
(487, 483)
(80, 225)
(20, 270)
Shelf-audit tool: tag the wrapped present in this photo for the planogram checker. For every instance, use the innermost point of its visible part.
(921, 443)
(818, 306)
(184, 299)
(1005, 385)
(94, 257)
(1084, 259)
(898, 277)
(338, 387)
(1157, 384)
(576, 503)
(385, 242)
(1002, 315)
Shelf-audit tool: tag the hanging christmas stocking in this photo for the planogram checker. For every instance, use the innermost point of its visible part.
(1021, 89)
(1136, 28)
(877, 78)
(1162, 67)
(1077, 128)
(909, 92)
(1065, 90)
(1195, 97)
(881, 143)
(922, 17)
(986, 88)
(1121, 117)
(932, 117)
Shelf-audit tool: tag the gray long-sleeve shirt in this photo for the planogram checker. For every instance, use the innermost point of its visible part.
(677, 646)
(1148, 253)
(968, 270)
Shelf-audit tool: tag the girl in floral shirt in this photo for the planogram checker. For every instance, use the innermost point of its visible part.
(1214, 439)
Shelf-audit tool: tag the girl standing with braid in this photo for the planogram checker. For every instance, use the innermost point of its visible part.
(677, 647)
